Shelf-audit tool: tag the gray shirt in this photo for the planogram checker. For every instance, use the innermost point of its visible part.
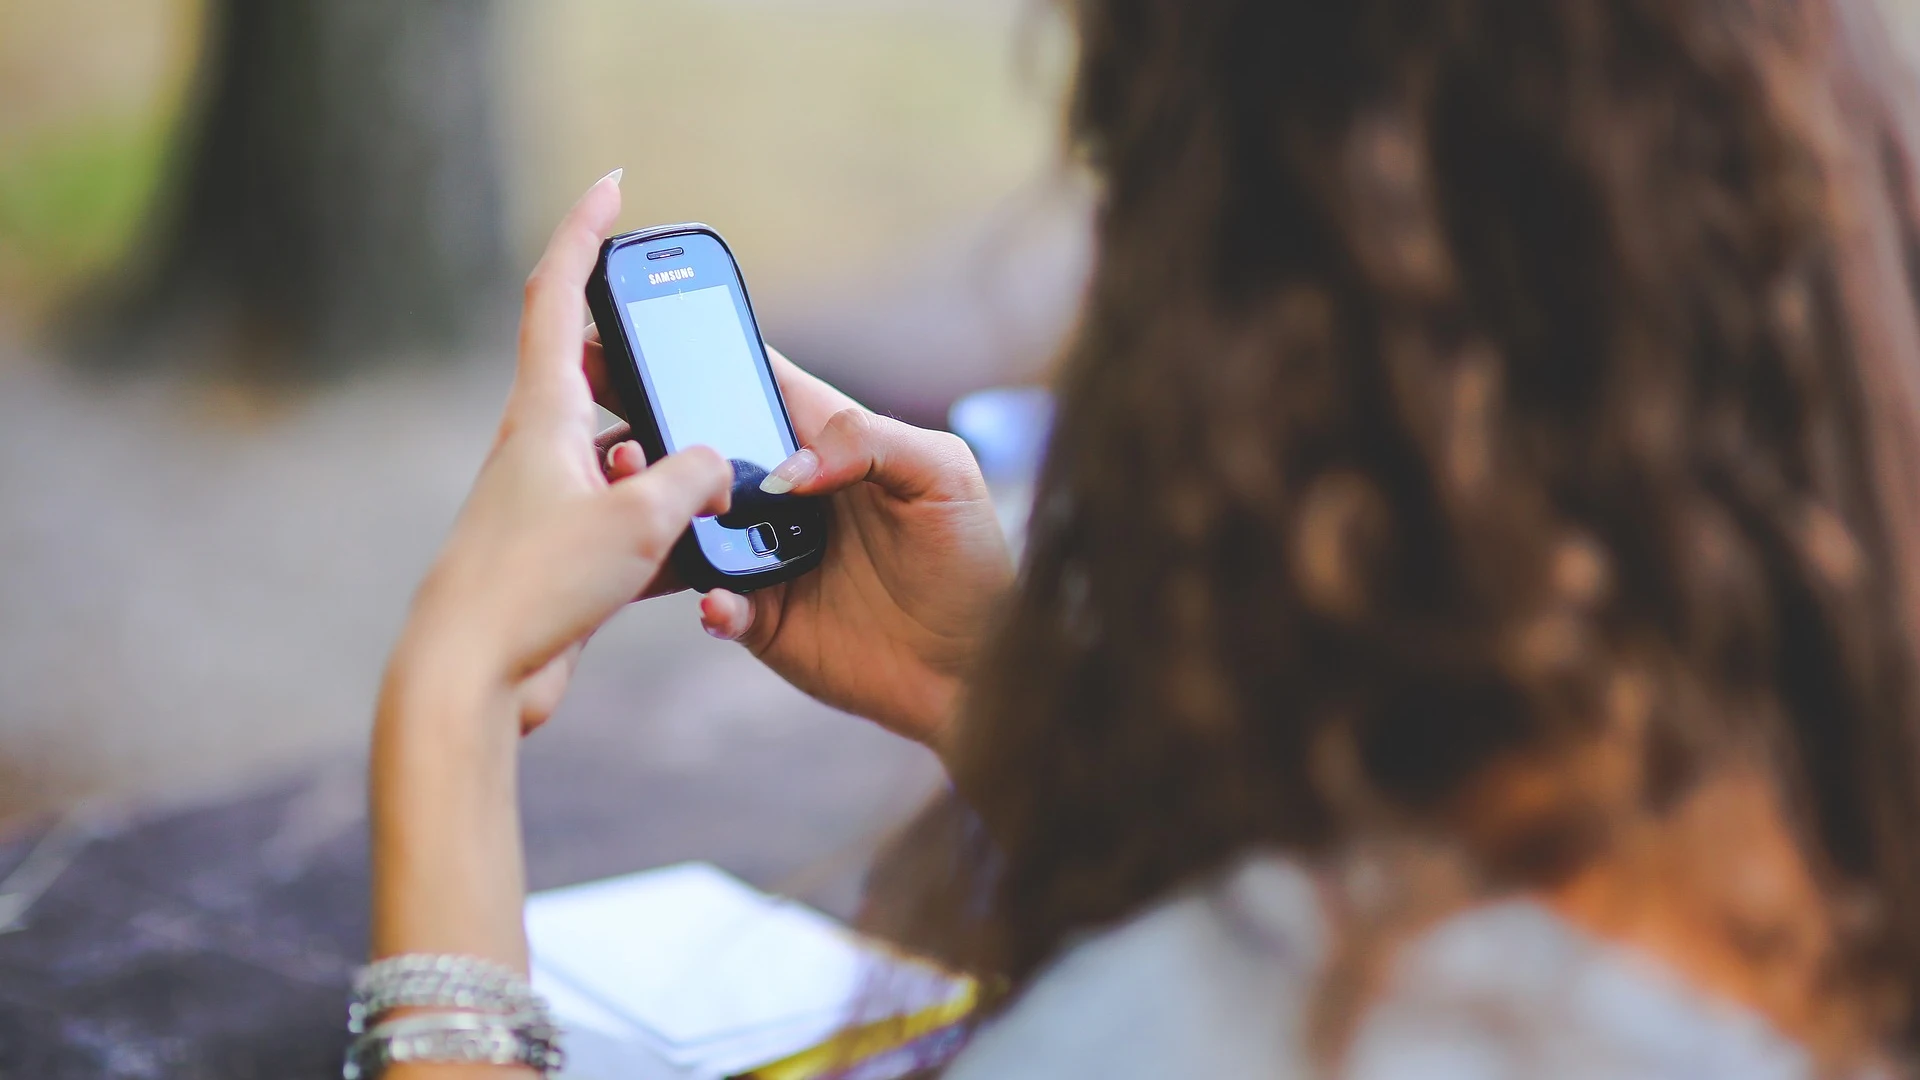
(1217, 983)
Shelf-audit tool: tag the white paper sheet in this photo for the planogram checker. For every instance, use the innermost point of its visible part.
(686, 973)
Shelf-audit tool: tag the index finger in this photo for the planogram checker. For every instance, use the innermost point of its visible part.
(549, 376)
(655, 506)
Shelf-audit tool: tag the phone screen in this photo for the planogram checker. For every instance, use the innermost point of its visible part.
(706, 376)
(703, 372)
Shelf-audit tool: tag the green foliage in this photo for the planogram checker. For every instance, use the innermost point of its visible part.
(71, 201)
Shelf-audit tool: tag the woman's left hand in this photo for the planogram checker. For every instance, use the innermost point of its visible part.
(550, 545)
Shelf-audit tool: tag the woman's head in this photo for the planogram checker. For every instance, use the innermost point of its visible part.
(1472, 396)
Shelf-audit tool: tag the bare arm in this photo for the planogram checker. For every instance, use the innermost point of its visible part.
(548, 546)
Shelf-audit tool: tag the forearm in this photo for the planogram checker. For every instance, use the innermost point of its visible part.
(554, 538)
(448, 871)
(447, 862)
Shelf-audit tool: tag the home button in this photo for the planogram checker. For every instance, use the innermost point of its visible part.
(764, 540)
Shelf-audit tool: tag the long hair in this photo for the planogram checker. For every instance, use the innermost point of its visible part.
(1465, 383)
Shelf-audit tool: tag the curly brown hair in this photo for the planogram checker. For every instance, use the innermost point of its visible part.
(1463, 383)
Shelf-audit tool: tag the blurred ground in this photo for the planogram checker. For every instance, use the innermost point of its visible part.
(201, 585)
(216, 943)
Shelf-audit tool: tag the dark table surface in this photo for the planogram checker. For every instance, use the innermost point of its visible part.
(217, 941)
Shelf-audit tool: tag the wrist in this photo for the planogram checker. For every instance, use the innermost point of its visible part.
(443, 710)
(935, 723)
(457, 633)
(441, 669)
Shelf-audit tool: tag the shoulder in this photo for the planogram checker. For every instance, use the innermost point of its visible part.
(1211, 982)
(1511, 990)
(1217, 981)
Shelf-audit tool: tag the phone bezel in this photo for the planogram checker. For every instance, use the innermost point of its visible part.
(689, 561)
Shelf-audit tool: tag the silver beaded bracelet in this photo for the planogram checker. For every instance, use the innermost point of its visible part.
(486, 1013)
(441, 982)
(448, 1038)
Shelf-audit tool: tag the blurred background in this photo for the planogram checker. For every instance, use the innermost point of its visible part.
(258, 270)
(259, 267)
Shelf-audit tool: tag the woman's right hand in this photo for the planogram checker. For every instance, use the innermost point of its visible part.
(888, 625)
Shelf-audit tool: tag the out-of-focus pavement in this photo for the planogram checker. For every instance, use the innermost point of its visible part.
(218, 941)
(200, 587)
(199, 582)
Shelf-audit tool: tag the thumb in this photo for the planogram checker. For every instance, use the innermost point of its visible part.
(654, 507)
(905, 461)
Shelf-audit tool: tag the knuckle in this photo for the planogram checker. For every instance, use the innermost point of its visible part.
(851, 423)
(536, 284)
(953, 458)
(582, 237)
(658, 536)
(652, 527)
(949, 447)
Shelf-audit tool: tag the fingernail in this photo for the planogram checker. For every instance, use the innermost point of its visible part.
(614, 176)
(791, 473)
(718, 634)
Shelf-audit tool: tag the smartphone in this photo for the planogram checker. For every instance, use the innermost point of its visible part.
(684, 353)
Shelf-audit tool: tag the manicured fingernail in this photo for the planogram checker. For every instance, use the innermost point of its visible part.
(615, 176)
(791, 473)
(718, 633)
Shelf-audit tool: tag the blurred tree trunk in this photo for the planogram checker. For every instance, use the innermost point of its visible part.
(337, 193)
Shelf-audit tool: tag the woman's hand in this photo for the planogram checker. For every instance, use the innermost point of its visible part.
(550, 544)
(547, 547)
(888, 625)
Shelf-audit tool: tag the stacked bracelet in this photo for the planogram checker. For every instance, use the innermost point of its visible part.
(472, 1011)
(443, 982)
(463, 1038)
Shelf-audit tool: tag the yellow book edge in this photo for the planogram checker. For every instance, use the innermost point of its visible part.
(857, 1044)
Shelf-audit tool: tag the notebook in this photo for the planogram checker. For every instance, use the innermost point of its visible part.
(687, 973)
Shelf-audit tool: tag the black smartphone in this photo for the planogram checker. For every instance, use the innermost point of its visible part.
(685, 355)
